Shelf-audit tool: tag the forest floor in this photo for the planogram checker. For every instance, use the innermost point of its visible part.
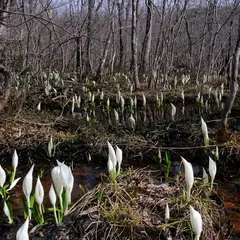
(132, 207)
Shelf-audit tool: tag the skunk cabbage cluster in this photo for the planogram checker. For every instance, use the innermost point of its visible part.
(114, 161)
(195, 216)
(62, 181)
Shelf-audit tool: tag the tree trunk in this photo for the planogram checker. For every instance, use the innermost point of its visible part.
(79, 53)
(120, 13)
(233, 87)
(98, 76)
(134, 45)
(89, 36)
(147, 39)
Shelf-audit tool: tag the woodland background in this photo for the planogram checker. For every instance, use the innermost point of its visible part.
(95, 38)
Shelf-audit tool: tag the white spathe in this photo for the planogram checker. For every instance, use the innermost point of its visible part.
(56, 177)
(173, 112)
(15, 160)
(205, 177)
(39, 194)
(112, 155)
(22, 233)
(67, 180)
(212, 170)
(132, 122)
(27, 187)
(53, 199)
(116, 115)
(13, 184)
(189, 176)
(50, 146)
(119, 158)
(144, 100)
(110, 165)
(167, 212)
(205, 132)
(7, 212)
(2, 176)
(196, 222)
(39, 106)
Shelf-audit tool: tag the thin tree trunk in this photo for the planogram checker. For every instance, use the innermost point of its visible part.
(120, 13)
(98, 76)
(202, 47)
(233, 85)
(190, 44)
(89, 36)
(147, 39)
(134, 45)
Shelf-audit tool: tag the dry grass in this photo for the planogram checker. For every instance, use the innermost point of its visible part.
(134, 208)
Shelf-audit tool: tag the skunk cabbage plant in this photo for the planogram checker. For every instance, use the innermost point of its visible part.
(131, 103)
(39, 195)
(7, 213)
(2, 176)
(112, 155)
(22, 233)
(183, 97)
(63, 178)
(119, 159)
(189, 176)
(67, 180)
(122, 102)
(53, 199)
(217, 153)
(212, 170)
(116, 116)
(73, 104)
(13, 184)
(144, 101)
(196, 222)
(173, 112)
(108, 103)
(132, 122)
(167, 212)
(56, 177)
(14, 164)
(50, 146)
(205, 132)
(135, 102)
(114, 161)
(205, 177)
(110, 166)
(39, 106)
(101, 95)
(27, 188)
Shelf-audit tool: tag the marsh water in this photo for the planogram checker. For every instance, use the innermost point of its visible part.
(160, 130)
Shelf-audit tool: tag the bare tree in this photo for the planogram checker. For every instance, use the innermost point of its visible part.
(233, 86)
(120, 23)
(147, 39)
(91, 4)
(135, 45)
(107, 43)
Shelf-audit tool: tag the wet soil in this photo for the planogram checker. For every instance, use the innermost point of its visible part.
(76, 139)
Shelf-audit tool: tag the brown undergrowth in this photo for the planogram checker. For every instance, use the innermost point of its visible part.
(134, 208)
